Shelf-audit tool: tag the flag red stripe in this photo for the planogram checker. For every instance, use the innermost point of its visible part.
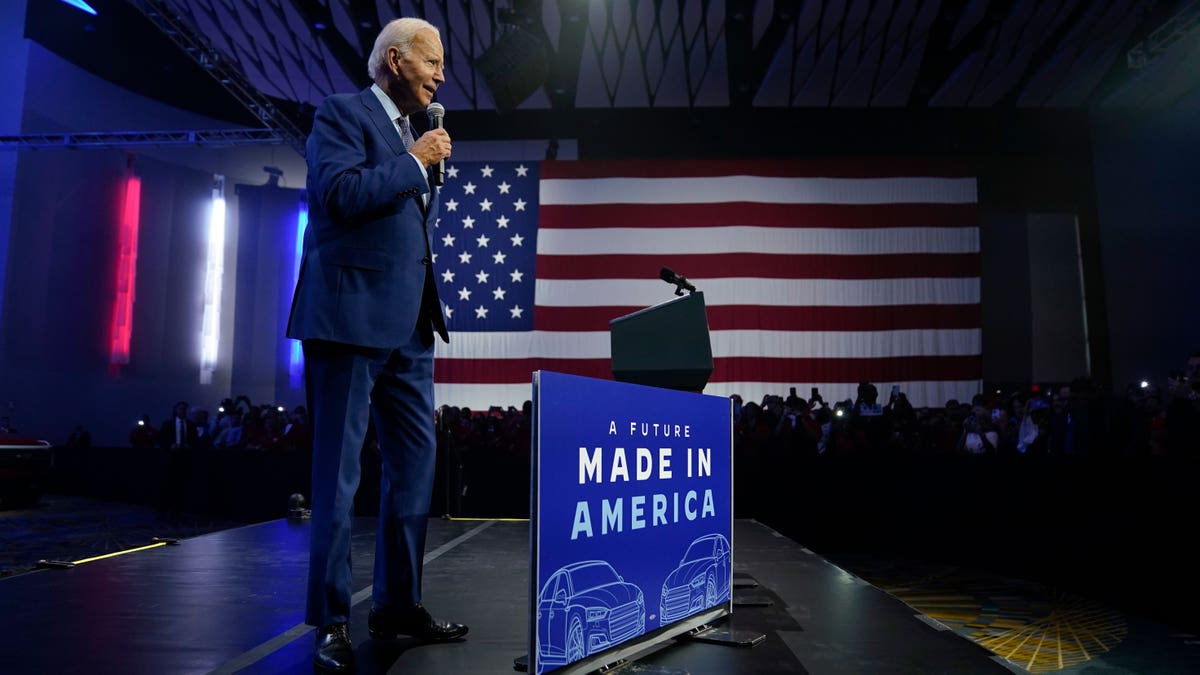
(763, 265)
(756, 214)
(732, 369)
(744, 317)
(900, 369)
(856, 168)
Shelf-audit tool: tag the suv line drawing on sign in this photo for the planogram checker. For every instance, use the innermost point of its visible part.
(699, 582)
(586, 607)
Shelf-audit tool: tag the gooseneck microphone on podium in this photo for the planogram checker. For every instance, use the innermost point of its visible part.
(680, 281)
(437, 113)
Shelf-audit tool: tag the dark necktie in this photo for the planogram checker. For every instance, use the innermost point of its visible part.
(405, 132)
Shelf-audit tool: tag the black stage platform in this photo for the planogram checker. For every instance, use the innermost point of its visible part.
(232, 601)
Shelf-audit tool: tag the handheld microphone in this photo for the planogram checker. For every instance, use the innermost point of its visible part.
(681, 282)
(437, 112)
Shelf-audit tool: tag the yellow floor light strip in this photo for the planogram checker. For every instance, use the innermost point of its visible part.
(117, 553)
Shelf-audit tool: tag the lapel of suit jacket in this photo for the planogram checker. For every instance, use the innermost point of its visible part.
(387, 127)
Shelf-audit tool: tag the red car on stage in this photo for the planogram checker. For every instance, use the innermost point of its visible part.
(25, 464)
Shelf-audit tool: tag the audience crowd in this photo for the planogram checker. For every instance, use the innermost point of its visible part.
(238, 425)
(483, 453)
(1076, 418)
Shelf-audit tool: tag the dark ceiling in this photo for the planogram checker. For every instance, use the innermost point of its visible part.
(573, 55)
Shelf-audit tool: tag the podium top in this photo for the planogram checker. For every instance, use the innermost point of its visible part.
(699, 295)
(666, 345)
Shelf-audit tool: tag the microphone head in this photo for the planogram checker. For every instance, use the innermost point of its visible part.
(435, 111)
(667, 275)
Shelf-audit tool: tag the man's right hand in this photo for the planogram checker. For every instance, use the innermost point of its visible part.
(431, 147)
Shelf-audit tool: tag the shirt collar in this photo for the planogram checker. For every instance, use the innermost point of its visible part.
(389, 106)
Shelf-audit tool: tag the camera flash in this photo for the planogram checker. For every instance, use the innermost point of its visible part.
(1145, 384)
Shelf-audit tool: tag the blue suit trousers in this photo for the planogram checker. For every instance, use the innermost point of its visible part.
(346, 384)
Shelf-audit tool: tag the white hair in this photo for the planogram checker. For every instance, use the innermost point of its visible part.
(397, 33)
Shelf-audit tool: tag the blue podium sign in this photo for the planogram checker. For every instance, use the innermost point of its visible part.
(631, 518)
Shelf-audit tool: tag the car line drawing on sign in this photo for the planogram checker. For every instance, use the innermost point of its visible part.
(699, 582)
(586, 607)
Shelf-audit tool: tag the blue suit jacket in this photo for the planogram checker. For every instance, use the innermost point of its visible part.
(366, 251)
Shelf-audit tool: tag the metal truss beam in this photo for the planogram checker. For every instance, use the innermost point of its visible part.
(225, 72)
(129, 139)
(749, 62)
(1173, 30)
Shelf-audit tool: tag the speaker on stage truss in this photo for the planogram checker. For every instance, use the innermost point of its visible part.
(513, 67)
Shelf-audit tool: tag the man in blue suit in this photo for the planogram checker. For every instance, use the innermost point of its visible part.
(366, 308)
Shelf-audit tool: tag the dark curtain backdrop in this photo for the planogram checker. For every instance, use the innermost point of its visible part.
(267, 227)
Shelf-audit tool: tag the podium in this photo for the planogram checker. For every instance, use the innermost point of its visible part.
(666, 345)
(631, 501)
(631, 522)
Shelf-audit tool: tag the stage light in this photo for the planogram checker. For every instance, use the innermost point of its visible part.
(127, 248)
(296, 358)
(80, 4)
(1145, 384)
(214, 271)
(296, 507)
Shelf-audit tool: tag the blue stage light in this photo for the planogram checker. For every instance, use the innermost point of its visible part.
(80, 4)
(296, 357)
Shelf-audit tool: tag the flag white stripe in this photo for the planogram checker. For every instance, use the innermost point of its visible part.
(773, 292)
(921, 394)
(750, 239)
(725, 343)
(774, 190)
(482, 396)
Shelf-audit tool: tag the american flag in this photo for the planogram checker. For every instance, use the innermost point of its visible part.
(815, 274)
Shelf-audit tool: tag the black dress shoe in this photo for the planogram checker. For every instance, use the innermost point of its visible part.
(387, 623)
(333, 653)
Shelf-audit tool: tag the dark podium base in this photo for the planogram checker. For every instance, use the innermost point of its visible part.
(724, 636)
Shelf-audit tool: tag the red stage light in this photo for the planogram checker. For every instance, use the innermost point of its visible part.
(122, 321)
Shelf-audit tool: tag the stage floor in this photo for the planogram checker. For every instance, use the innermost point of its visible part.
(231, 601)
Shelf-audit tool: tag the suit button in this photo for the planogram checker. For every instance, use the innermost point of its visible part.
(426, 261)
